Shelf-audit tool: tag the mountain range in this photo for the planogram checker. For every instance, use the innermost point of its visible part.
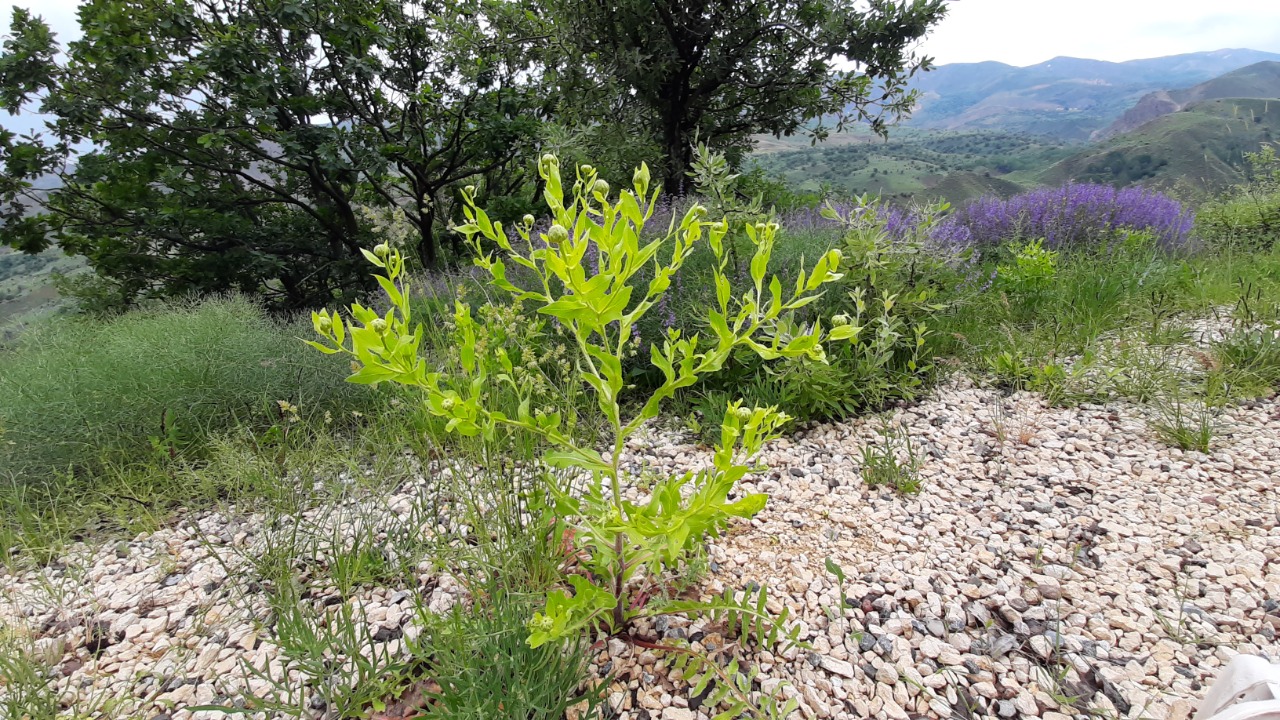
(1069, 99)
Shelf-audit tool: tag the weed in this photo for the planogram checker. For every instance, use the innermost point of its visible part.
(1189, 425)
(28, 687)
(892, 461)
(480, 666)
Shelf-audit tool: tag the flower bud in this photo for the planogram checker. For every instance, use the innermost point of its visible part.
(528, 219)
(587, 169)
(324, 324)
(447, 403)
(640, 178)
(471, 190)
(557, 235)
(744, 413)
(381, 250)
(601, 188)
(698, 211)
(760, 228)
(378, 325)
(840, 320)
(550, 160)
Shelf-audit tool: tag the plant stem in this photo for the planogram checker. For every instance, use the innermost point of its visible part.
(618, 617)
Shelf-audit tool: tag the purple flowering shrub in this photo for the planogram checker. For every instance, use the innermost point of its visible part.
(1073, 216)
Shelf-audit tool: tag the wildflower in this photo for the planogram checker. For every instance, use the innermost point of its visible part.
(378, 325)
(840, 320)
(382, 250)
(601, 188)
(324, 324)
(744, 413)
(528, 219)
(557, 235)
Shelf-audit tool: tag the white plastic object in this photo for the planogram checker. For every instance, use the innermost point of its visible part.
(1248, 689)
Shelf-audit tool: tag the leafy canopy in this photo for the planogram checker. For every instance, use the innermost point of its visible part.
(723, 70)
(231, 144)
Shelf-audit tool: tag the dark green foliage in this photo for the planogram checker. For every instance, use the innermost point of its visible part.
(227, 158)
(1119, 169)
(721, 70)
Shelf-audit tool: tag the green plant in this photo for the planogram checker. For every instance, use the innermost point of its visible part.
(889, 283)
(1010, 369)
(1250, 359)
(483, 667)
(623, 547)
(710, 405)
(28, 689)
(1033, 269)
(1249, 356)
(893, 461)
(1249, 216)
(1189, 425)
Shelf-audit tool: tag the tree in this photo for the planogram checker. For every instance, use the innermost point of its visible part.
(231, 143)
(723, 70)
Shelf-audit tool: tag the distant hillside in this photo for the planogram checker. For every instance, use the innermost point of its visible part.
(26, 287)
(1203, 145)
(1260, 80)
(956, 166)
(1068, 99)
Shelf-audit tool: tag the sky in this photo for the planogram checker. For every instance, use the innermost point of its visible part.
(1026, 32)
(1019, 32)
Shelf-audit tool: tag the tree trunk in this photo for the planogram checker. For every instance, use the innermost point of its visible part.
(679, 151)
(426, 232)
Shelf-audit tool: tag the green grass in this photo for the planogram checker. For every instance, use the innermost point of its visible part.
(83, 394)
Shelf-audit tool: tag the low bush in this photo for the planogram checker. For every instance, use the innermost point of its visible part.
(1248, 217)
(886, 299)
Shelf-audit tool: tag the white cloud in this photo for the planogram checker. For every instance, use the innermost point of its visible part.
(1025, 32)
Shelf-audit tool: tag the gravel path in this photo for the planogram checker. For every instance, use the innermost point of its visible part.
(1051, 554)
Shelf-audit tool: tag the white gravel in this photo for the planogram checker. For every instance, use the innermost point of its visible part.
(1052, 553)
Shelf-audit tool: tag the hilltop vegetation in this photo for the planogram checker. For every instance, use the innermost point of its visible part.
(27, 292)
(957, 166)
(1260, 80)
(1195, 138)
(1202, 146)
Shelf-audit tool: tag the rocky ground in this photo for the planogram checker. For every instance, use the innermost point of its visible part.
(1056, 562)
